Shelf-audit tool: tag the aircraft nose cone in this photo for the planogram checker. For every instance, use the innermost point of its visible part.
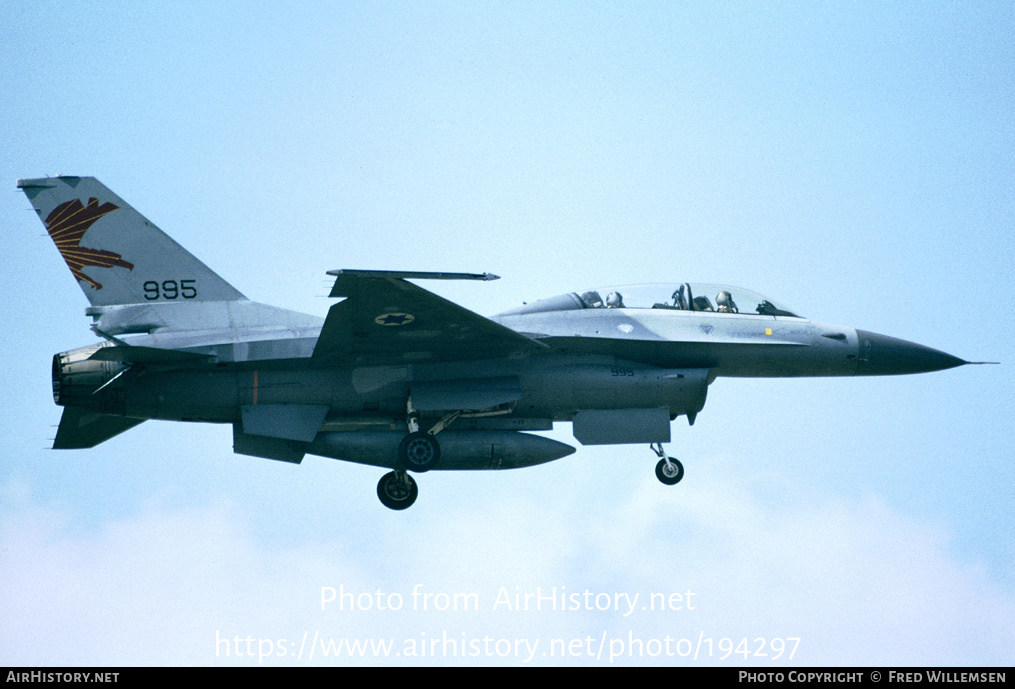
(881, 355)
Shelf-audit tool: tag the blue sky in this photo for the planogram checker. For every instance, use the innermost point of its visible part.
(851, 160)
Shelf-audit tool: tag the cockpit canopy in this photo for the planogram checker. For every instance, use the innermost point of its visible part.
(675, 297)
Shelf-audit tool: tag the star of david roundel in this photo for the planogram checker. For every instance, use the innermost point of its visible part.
(394, 319)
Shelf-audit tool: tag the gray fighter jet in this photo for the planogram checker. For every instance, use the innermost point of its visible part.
(396, 376)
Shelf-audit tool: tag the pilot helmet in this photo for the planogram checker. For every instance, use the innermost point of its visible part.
(614, 300)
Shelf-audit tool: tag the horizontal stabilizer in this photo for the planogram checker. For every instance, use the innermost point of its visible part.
(80, 428)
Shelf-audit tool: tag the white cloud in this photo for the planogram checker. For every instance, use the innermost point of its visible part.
(858, 582)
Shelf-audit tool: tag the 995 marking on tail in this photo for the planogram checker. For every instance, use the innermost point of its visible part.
(170, 289)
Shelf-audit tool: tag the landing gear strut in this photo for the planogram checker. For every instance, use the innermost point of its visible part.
(419, 451)
(669, 470)
(397, 490)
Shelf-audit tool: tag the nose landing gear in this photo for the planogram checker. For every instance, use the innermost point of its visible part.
(669, 470)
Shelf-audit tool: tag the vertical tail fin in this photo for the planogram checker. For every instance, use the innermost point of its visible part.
(117, 255)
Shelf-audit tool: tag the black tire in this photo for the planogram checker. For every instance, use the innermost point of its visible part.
(397, 493)
(671, 473)
(419, 452)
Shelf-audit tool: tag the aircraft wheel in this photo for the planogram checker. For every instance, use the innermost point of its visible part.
(397, 492)
(670, 472)
(419, 451)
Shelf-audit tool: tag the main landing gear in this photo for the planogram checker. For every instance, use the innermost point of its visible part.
(669, 470)
(418, 452)
(397, 490)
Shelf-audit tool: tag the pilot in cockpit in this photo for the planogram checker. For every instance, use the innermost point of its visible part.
(701, 304)
(614, 300)
(725, 304)
(592, 300)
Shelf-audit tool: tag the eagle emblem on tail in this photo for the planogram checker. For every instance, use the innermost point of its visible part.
(67, 225)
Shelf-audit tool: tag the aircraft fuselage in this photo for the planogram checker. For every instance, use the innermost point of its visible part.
(598, 359)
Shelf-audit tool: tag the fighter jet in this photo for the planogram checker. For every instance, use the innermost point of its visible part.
(398, 377)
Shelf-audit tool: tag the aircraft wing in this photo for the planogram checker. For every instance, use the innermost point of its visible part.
(386, 320)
